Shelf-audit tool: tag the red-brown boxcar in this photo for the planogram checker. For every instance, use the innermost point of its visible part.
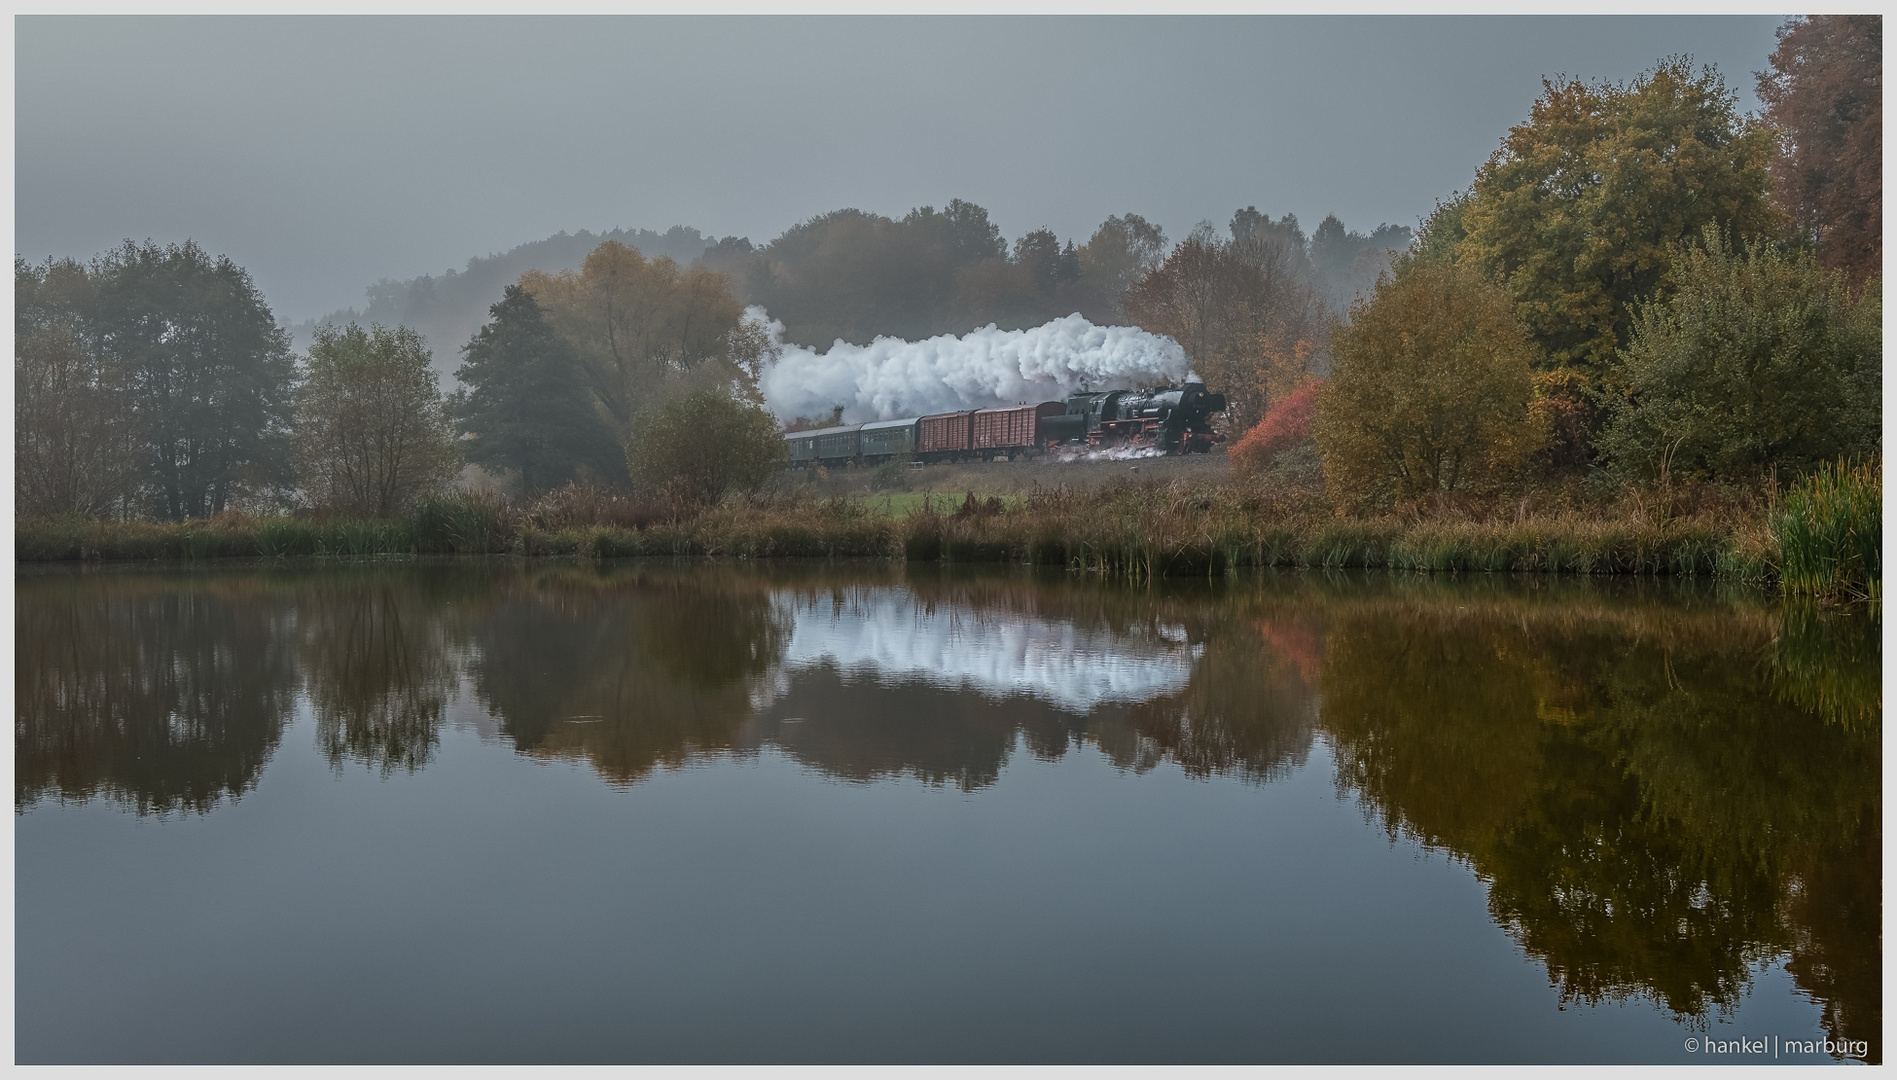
(943, 433)
(1018, 428)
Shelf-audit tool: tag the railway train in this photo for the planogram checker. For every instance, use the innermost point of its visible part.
(1169, 419)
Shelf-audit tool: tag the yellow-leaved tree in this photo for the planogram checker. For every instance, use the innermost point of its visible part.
(1430, 389)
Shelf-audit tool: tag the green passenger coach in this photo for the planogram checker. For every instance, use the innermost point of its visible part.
(889, 438)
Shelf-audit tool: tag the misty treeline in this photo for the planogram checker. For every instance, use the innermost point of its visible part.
(627, 334)
(1250, 302)
(1252, 307)
(855, 275)
(1641, 285)
(154, 382)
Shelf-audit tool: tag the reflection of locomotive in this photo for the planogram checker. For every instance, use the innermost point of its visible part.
(1169, 419)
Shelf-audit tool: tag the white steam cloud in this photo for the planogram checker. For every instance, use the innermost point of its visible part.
(890, 378)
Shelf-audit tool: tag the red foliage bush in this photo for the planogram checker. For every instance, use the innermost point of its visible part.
(1286, 424)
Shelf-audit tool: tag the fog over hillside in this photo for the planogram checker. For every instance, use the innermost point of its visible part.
(449, 307)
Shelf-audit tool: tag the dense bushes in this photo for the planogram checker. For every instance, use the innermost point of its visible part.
(703, 445)
(1758, 358)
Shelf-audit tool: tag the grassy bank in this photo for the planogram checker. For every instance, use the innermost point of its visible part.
(1155, 531)
(574, 522)
(1821, 539)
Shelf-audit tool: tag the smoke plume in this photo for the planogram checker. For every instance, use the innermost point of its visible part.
(890, 378)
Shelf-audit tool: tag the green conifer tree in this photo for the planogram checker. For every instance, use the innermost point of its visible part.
(524, 407)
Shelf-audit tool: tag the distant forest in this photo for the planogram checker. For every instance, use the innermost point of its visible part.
(855, 275)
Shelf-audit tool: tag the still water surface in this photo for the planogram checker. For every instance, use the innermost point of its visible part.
(487, 812)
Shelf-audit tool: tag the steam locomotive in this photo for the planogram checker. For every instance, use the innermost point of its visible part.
(1166, 419)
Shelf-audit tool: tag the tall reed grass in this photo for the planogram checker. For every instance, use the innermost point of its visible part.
(1830, 533)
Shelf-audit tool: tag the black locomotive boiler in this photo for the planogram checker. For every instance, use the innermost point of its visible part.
(1170, 419)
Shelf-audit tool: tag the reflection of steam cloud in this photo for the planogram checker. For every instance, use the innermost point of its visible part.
(885, 634)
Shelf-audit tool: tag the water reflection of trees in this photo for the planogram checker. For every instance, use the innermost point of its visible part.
(1654, 812)
(377, 664)
(1661, 788)
(630, 670)
(857, 729)
(163, 693)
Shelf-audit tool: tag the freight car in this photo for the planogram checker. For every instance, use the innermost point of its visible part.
(984, 434)
(943, 436)
(1172, 420)
(1011, 431)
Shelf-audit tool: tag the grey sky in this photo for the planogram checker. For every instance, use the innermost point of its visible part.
(324, 153)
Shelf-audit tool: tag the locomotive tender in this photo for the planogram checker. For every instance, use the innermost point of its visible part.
(1169, 419)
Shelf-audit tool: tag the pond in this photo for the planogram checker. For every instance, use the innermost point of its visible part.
(509, 812)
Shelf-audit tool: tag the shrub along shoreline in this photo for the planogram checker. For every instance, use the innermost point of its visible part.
(1823, 538)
